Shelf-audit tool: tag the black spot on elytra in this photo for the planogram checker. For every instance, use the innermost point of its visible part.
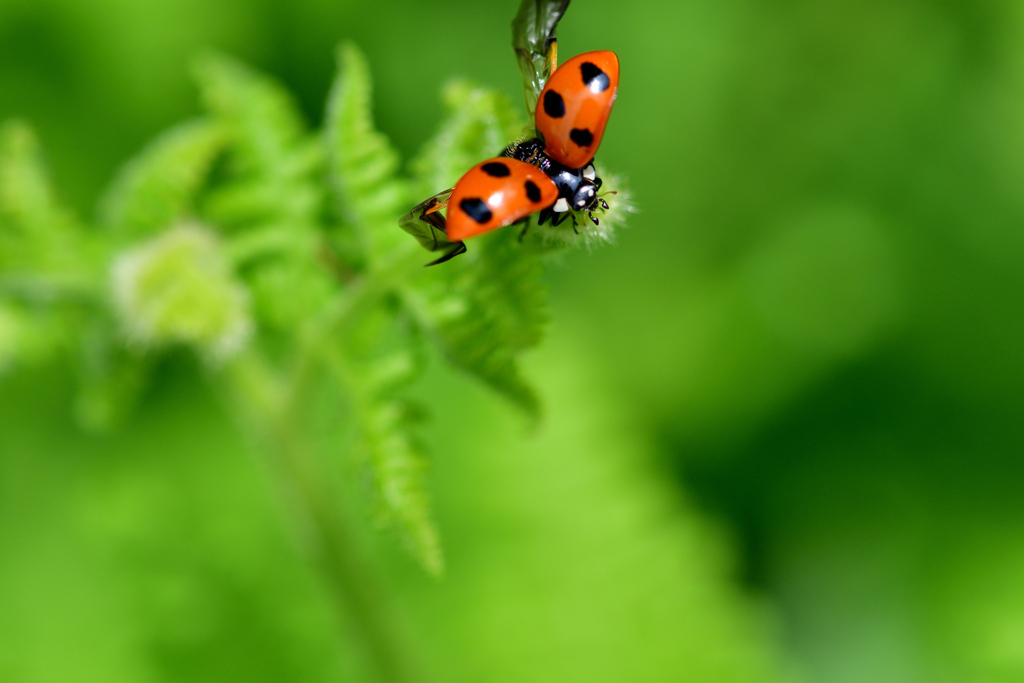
(496, 169)
(532, 191)
(594, 78)
(581, 136)
(476, 209)
(554, 105)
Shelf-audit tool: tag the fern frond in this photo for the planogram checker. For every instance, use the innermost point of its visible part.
(272, 199)
(39, 238)
(158, 188)
(513, 290)
(260, 116)
(376, 373)
(469, 333)
(27, 199)
(24, 186)
(288, 289)
(480, 124)
(243, 202)
(363, 164)
(398, 465)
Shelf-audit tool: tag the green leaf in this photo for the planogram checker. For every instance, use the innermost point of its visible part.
(241, 203)
(260, 116)
(266, 240)
(159, 186)
(272, 198)
(533, 35)
(111, 377)
(26, 197)
(12, 335)
(513, 290)
(481, 123)
(43, 259)
(363, 164)
(398, 464)
(382, 357)
(464, 315)
(286, 291)
(40, 240)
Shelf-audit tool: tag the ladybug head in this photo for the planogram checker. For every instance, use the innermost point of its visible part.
(585, 197)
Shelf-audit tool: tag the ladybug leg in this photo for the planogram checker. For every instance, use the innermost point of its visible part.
(559, 210)
(559, 218)
(459, 248)
(525, 222)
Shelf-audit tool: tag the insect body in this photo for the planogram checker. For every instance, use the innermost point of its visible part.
(577, 187)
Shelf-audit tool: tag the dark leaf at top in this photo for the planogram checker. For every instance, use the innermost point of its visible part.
(533, 34)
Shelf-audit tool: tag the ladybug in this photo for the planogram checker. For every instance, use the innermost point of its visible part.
(552, 174)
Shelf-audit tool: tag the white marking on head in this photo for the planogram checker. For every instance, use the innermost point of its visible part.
(561, 206)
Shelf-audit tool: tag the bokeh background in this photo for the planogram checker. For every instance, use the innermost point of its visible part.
(784, 413)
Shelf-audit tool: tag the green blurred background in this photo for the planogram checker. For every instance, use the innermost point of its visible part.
(784, 428)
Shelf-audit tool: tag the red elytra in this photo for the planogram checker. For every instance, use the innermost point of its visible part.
(495, 193)
(574, 106)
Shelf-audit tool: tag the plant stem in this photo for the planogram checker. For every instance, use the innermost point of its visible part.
(339, 315)
(320, 525)
(332, 548)
(271, 409)
(48, 288)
